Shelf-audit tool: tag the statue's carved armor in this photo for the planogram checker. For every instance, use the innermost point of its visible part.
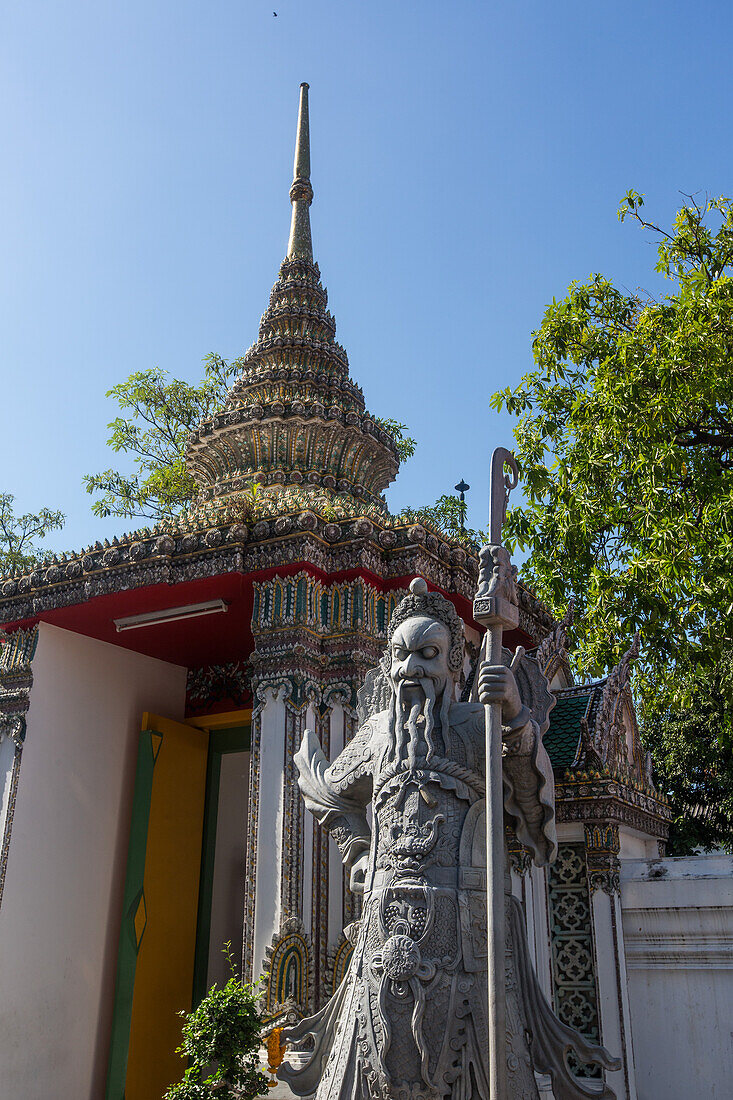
(409, 1020)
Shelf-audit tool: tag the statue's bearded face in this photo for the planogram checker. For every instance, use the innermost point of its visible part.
(419, 652)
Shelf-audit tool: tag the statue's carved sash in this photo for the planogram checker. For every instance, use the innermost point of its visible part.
(472, 888)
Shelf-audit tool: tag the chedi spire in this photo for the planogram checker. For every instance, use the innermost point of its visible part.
(294, 421)
(300, 245)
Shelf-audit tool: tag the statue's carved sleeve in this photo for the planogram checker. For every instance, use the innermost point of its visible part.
(337, 795)
(529, 786)
(529, 796)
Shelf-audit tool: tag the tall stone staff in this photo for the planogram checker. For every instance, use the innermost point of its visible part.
(495, 608)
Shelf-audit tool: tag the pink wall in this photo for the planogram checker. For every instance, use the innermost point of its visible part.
(60, 917)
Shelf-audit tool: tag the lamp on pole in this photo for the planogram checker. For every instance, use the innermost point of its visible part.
(462, 487)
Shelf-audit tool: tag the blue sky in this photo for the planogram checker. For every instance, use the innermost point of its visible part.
(467, 160)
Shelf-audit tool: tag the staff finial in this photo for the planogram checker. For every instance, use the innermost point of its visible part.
(501, 485)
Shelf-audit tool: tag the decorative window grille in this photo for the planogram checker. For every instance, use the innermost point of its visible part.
(336, 608)
(571, 933)
(300, 600)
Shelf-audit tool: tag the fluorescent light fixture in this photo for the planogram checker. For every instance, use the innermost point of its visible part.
(171, 615)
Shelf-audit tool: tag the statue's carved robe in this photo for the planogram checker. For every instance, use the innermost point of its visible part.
(409, 1020)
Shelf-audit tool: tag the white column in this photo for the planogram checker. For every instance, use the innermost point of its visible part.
(613, 1005)
(623, 988)
(269, 823)
(306, 910)
(529, 886)
(7, 762)
(602, 848)
(539, 917)
(335, 866)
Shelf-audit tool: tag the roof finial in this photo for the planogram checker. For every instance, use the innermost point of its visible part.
(300, 245)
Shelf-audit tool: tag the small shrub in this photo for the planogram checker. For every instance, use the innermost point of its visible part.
(222, 1040)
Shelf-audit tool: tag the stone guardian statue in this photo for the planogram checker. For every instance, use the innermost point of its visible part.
(410, 1019)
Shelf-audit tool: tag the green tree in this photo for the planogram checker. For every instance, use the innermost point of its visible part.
(448, 516)
(693, 761)
(625, 445)
(20, 535)
(405, 444)
(161, 412)
(221, 1039)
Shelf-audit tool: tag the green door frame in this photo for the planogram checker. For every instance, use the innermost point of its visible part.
(221, 741)
(130, 940)
(171, 736)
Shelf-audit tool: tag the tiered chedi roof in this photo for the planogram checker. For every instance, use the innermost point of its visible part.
(295, 417)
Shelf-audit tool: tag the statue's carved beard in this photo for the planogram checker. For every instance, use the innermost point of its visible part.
(412, 723)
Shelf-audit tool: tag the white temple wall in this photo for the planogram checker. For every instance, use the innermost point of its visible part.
(60, 917)
(678, 938)
(636, 845)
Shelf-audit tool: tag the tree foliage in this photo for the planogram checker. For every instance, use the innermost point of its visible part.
(691, 745)
(221, 1038)
(405, 443)
(161, 412)
(625, 446)
(20, 535)
(448, 516)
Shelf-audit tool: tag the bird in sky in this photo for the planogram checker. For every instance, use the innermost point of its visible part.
(275, 14)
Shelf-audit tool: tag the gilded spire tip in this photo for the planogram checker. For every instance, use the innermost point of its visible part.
(301, 193)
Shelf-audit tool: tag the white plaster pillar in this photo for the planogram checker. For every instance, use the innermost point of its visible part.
(306, 908)
(269, 794)
(602, 845)
(528, 904)
(517, 881)
(529, 886)
(7, 765)
(538, 916)
(335, 866)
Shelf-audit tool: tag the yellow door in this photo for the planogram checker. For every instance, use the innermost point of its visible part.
(158, 939)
